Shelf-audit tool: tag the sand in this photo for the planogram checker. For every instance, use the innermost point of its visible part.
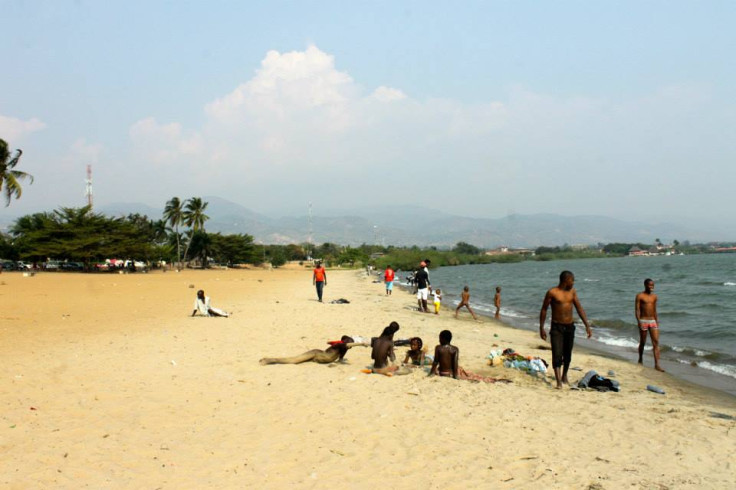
(106, 382)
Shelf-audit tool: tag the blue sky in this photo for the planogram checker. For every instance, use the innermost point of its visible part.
(623, 109)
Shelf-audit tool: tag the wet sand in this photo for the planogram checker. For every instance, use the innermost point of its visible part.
(106, 382)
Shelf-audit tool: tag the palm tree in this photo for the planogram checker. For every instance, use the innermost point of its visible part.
(174, 216)
(8, 177)
(194, 217)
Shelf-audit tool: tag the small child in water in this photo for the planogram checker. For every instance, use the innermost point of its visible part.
(437, 300)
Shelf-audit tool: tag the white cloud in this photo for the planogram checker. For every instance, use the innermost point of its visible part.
(164, 143)
(388, 94)
(82, 153)
(301, 117)
(13, 129)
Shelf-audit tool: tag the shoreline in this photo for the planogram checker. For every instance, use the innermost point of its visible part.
(721, 384)
(108, 382)
(705, 373)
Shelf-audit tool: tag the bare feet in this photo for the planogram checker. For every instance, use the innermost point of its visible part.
(659, 369)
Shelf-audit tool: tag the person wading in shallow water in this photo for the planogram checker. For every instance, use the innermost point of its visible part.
(645, 309)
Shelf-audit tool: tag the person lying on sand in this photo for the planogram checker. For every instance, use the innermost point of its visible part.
(383, 350)
(335, 352)
(446, 358)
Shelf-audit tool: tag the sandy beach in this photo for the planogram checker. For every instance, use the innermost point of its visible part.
(107, 382)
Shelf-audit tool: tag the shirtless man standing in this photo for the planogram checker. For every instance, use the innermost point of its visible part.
(562, 331)
(645, 309)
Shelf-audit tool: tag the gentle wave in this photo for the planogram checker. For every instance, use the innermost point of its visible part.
(729, 283)
(620, 342)
(674, 313)
(716, 368)
(614, 324)
(713, 356)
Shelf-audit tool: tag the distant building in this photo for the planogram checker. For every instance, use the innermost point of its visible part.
(504, 250)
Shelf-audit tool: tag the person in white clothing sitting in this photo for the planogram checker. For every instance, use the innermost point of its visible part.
(202, 305)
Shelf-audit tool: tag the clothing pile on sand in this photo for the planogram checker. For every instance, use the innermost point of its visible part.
(509, 358)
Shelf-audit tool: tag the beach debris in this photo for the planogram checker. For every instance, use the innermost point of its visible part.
(577, 368)
(34, 408)
(611, 372)
(335, 451)
(352, 378)
(593, 380)
(655, 389)
(173, 362)
(512, 359)
(719, 415)
(191, 286)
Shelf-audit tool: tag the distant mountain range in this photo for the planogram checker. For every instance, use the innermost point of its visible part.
(403, 225)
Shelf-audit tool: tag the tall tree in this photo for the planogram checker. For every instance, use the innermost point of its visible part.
(194, 217)
(9, 177)
(174, 216)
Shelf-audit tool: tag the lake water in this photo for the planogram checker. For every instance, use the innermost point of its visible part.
(697, 305)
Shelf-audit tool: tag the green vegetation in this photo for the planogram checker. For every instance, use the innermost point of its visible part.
(9, 177)
(80, 235)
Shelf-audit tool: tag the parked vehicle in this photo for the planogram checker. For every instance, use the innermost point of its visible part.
(52, 265)
(72, 266)
(23, 266)
(9, 265)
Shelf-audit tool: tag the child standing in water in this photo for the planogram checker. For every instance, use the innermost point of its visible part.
(497, 301)
(437, 300)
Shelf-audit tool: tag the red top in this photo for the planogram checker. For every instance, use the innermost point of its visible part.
(389, 275)
(319, 274)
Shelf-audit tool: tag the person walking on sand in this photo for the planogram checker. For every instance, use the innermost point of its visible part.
(423, 286)
(562, 298)
(388, 277)
(465, 301)
(202, 306)
(645, 309)
(497, 301)
(319, 279)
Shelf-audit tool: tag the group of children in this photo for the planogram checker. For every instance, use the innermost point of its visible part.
(444, 362)
(465, 301)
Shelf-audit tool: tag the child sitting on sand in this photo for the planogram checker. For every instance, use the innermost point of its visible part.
(417, 354)
(446, 358)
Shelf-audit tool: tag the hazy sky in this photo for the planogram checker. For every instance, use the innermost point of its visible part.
(624, 109)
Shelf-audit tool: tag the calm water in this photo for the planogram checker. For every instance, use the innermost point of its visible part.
(697, 305)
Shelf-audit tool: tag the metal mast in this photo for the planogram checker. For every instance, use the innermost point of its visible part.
(88, 186)
(309, 230)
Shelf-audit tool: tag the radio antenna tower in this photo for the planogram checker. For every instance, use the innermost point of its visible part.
(309, 231)
(88, 186)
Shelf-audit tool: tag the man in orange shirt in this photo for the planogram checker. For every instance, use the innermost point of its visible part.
(388, 277)
(319, 279)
